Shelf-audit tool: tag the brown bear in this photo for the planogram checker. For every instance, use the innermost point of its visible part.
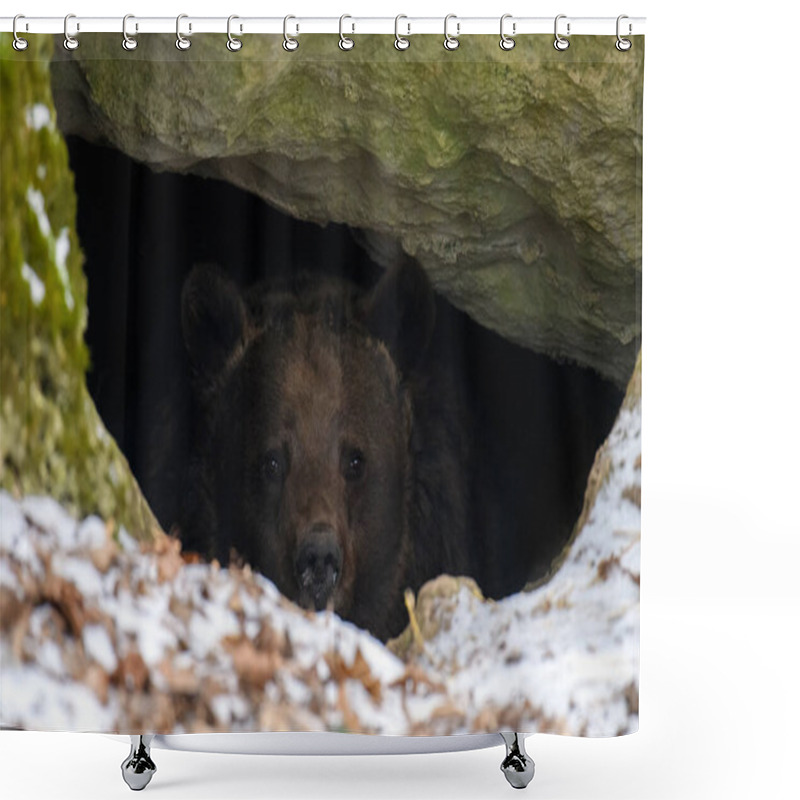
(330, 448)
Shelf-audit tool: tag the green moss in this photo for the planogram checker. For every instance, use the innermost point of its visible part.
(51, 438)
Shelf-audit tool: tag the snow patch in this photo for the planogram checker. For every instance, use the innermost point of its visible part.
(40, 702)
(91, 533)
(34, 282)
(80, 572)
(61, 255)
(38, 116)
(97, 645)
(48, 657)
(36, 202)
(60, 246)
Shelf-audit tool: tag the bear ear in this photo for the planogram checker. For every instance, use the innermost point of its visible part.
(213, 319)
(401, 311)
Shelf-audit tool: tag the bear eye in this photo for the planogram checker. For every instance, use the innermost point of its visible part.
(354, 464)
(273, 465)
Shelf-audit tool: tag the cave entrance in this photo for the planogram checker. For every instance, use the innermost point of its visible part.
(538, 423)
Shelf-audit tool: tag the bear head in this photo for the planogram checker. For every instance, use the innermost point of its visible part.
(302, 457)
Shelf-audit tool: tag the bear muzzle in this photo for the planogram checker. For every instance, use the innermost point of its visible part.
(318, 566)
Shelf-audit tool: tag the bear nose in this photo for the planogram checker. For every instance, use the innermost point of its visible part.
(318, 565)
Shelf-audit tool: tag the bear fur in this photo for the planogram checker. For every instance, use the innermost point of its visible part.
(330, 448)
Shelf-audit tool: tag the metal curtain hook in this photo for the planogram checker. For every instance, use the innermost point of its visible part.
(345, 43)
(128, 42)
(234, 44)
(506, 42)
(560, 43)
(290, 43)
(623, 44)
(450, 42)
(70, 42)
(400, 42)
(182, 43)
(18, 43)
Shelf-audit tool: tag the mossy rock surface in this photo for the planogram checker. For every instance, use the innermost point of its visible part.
(52, 440)
(513, 177)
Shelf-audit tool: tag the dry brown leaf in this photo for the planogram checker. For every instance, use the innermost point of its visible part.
(103, 557)
(235, 603)
(416, 676)
(11, 608)
(66, 598)
(254, 667)
(168, 550)
(19, 632)
(180, 609)
(182, 681)
(270, 640)
(362, 672)
(350, 720)
(131, 673)
(634, 494)
(97, 679)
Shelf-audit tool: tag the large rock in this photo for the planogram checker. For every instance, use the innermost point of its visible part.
(514, 177)
(51, 437)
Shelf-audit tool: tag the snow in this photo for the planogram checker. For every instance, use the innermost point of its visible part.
(46, 703)
(127, 542)
(48, 656)
(208, 626)
(296, 691)
(91, 533)
(35, 283)
(15, 541)
(36, 202)
(79, 572)
(153, 614)
(98, 646)
(37, 116)
(229, 707)
(60, 245)
(61, 255)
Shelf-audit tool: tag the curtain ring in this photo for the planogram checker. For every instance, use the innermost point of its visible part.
(18, 43)
(560, 42)
(290, 43)
(345, 43)
(400, 42)
(623, 44)
(234, 44)
(70, 42)
(128, 42)
(450, 42)
(506, 42)
(182, 43)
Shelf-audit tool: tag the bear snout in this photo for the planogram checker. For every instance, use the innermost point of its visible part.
(318, 565)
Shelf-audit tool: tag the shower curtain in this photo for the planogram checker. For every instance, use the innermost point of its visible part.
(321, 385)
